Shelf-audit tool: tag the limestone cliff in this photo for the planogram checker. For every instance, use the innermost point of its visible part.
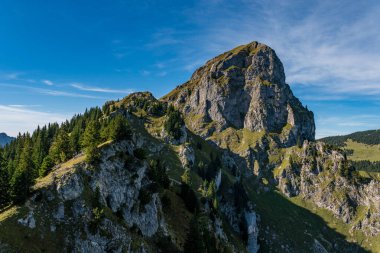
(243, 88)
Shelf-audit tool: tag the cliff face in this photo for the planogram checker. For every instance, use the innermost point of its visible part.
(243, 88)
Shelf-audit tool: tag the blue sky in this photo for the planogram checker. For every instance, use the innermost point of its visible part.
(59, 57)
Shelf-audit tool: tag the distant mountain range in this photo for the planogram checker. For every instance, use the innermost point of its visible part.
(5, 139)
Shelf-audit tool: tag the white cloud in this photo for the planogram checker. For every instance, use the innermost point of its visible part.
(48, 82)
(12, 76)
(162, 73)
(145, 72)
(65, 94)
(99, 89)
(25, 119)
(50, 92)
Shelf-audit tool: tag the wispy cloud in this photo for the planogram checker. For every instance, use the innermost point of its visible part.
(145, 72)
(12, 76)
(50, 92)
(24, 106)
(26, 118)
(99, 89)
(165, 37)
(162, 73)
(48, 82)
(59, 93)
(15, 76)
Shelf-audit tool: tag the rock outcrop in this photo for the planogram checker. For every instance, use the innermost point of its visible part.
(243, 88)
(324, 177)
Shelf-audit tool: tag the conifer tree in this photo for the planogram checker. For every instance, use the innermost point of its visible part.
(60, 150)
(118, 129)
(46, 165)
(22, 178)
(186, 177)
(91, 139)
(4, 183)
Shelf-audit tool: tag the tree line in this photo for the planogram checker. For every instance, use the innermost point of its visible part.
(370, 137)
(31, 156)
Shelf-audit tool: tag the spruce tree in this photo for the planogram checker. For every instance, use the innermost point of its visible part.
(22, 178)
(4, 183)
(60, 150)
(118, 129)
(91, 139)
(186, 177)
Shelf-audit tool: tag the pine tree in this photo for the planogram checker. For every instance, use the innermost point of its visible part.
(75, 140)
(174, 123)
(118, 129)
(60, 150)
(211, 191)
(186, 177)
(91, 138)
(22, 178)
(4, 183)
(46, 165)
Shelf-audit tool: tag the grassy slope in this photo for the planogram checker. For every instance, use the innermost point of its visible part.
(363, 151)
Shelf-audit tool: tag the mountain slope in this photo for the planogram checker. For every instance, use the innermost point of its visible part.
(5, 139)
(227, 162)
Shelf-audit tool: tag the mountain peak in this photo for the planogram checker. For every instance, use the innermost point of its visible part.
(244, 88)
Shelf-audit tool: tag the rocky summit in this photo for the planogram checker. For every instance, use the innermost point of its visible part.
(244, 88)
(226, 162)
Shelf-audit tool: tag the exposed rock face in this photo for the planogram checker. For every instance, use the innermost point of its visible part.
(69, 186)
(29, 221)
(243, 88)
(187, 156)
(324, 177)
(252, 232)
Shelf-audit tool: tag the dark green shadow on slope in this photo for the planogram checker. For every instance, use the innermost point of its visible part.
(285, 223)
